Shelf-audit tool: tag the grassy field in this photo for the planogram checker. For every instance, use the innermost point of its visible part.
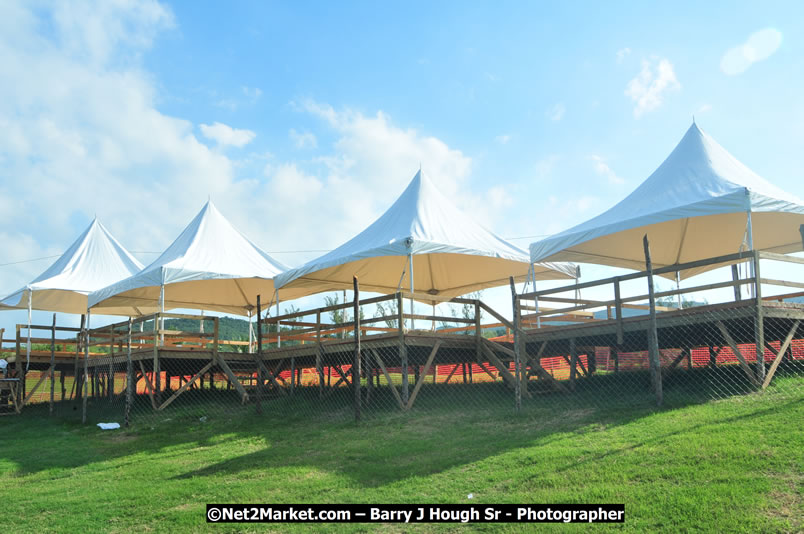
(734, 465)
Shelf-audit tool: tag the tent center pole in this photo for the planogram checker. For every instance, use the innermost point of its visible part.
(412, 320)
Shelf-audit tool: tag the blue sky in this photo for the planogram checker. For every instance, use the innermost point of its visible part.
(304, 121)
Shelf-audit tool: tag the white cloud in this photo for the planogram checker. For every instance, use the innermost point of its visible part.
(602, 168)
(759, 46)
(622, 54)
(226, 135)
(303, 140)
(648, 88)
(556, 113)
(503, 139)
(704, 108)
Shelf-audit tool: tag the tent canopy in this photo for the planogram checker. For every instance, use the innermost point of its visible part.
(210, 266)
(452, 254)
(95, 260)
(696, 205)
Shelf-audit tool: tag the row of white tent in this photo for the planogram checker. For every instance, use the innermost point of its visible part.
(700, 203)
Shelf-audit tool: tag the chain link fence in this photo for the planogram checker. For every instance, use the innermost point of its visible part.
(606, 352)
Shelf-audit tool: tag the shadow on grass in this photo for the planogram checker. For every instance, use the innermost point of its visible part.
(450, 425)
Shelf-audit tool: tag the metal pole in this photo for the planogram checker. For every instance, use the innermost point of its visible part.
(678, 288)
(162, 313)
(28, 345)
(750, 233)
(412, 320)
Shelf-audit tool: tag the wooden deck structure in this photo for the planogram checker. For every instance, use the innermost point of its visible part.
(164, 364)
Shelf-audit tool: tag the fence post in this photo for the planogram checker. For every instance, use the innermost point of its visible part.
(129, 376)
(735, 276)
(517, 349)
(573, 362)
(319, 367)
(86, 372)
(759, 323)
(356, 363)
(52, 363)
(157, 381)
(403, 350)
(258, 399)
(653, 338)
(110, 378)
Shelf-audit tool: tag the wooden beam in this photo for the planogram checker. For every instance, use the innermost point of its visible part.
(228, 371)
(506, 374)
(449, 376)
(424, 374)
(148, 386)
(780, 355)
(31, 393)
(748, 372)
(186, 385)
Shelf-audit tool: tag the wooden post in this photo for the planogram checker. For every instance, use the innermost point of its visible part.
(618, 306)
(319, 367)
(403, 349)
(129, 376)
(517, 348)
(356, 363)
(157, 380)
(86, 371)
(573, 363)
(52, 363)
(77, 379)
(260, 379)
(759, 323)
(292, 375)
(478, 334)
(110, 378)
(653, 338)
(735, 276)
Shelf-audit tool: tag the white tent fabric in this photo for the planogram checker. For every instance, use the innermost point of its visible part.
(700, 203)
(450, 252)
(210, 266)
(95, 260)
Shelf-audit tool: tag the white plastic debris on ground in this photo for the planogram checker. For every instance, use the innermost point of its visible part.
(109, 426)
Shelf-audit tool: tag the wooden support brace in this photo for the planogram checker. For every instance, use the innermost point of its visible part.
(780, 355)
(684, 353)
(388, 379)
(424, 374)
(186, 385)
(148, 386)
(506, 374)
(39, 383)
(748, 372)
(269, 375)
(449, 376)
(232, 377)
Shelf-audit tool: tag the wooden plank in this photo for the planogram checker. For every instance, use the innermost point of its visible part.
(684, 352)
(356, 361)
(230, 375)
(31, 393)
(420, 382)
(186, 385)
(148, 386)
(759, 323)
(388, 379)
(449, 376)
(506, 374)
(618, 306)
(403, 349)
(780, 355)
(573, 363)
(52, 364)
(780, 257)
(746, 368)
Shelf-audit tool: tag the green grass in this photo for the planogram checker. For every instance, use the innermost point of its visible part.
(733, 465)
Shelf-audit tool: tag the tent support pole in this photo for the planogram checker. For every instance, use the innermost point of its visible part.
(412, 320)
(28, 346)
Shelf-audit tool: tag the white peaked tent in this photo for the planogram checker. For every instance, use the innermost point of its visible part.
(210, 266)
(447, 252)
(700, 203)
(95, 260)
